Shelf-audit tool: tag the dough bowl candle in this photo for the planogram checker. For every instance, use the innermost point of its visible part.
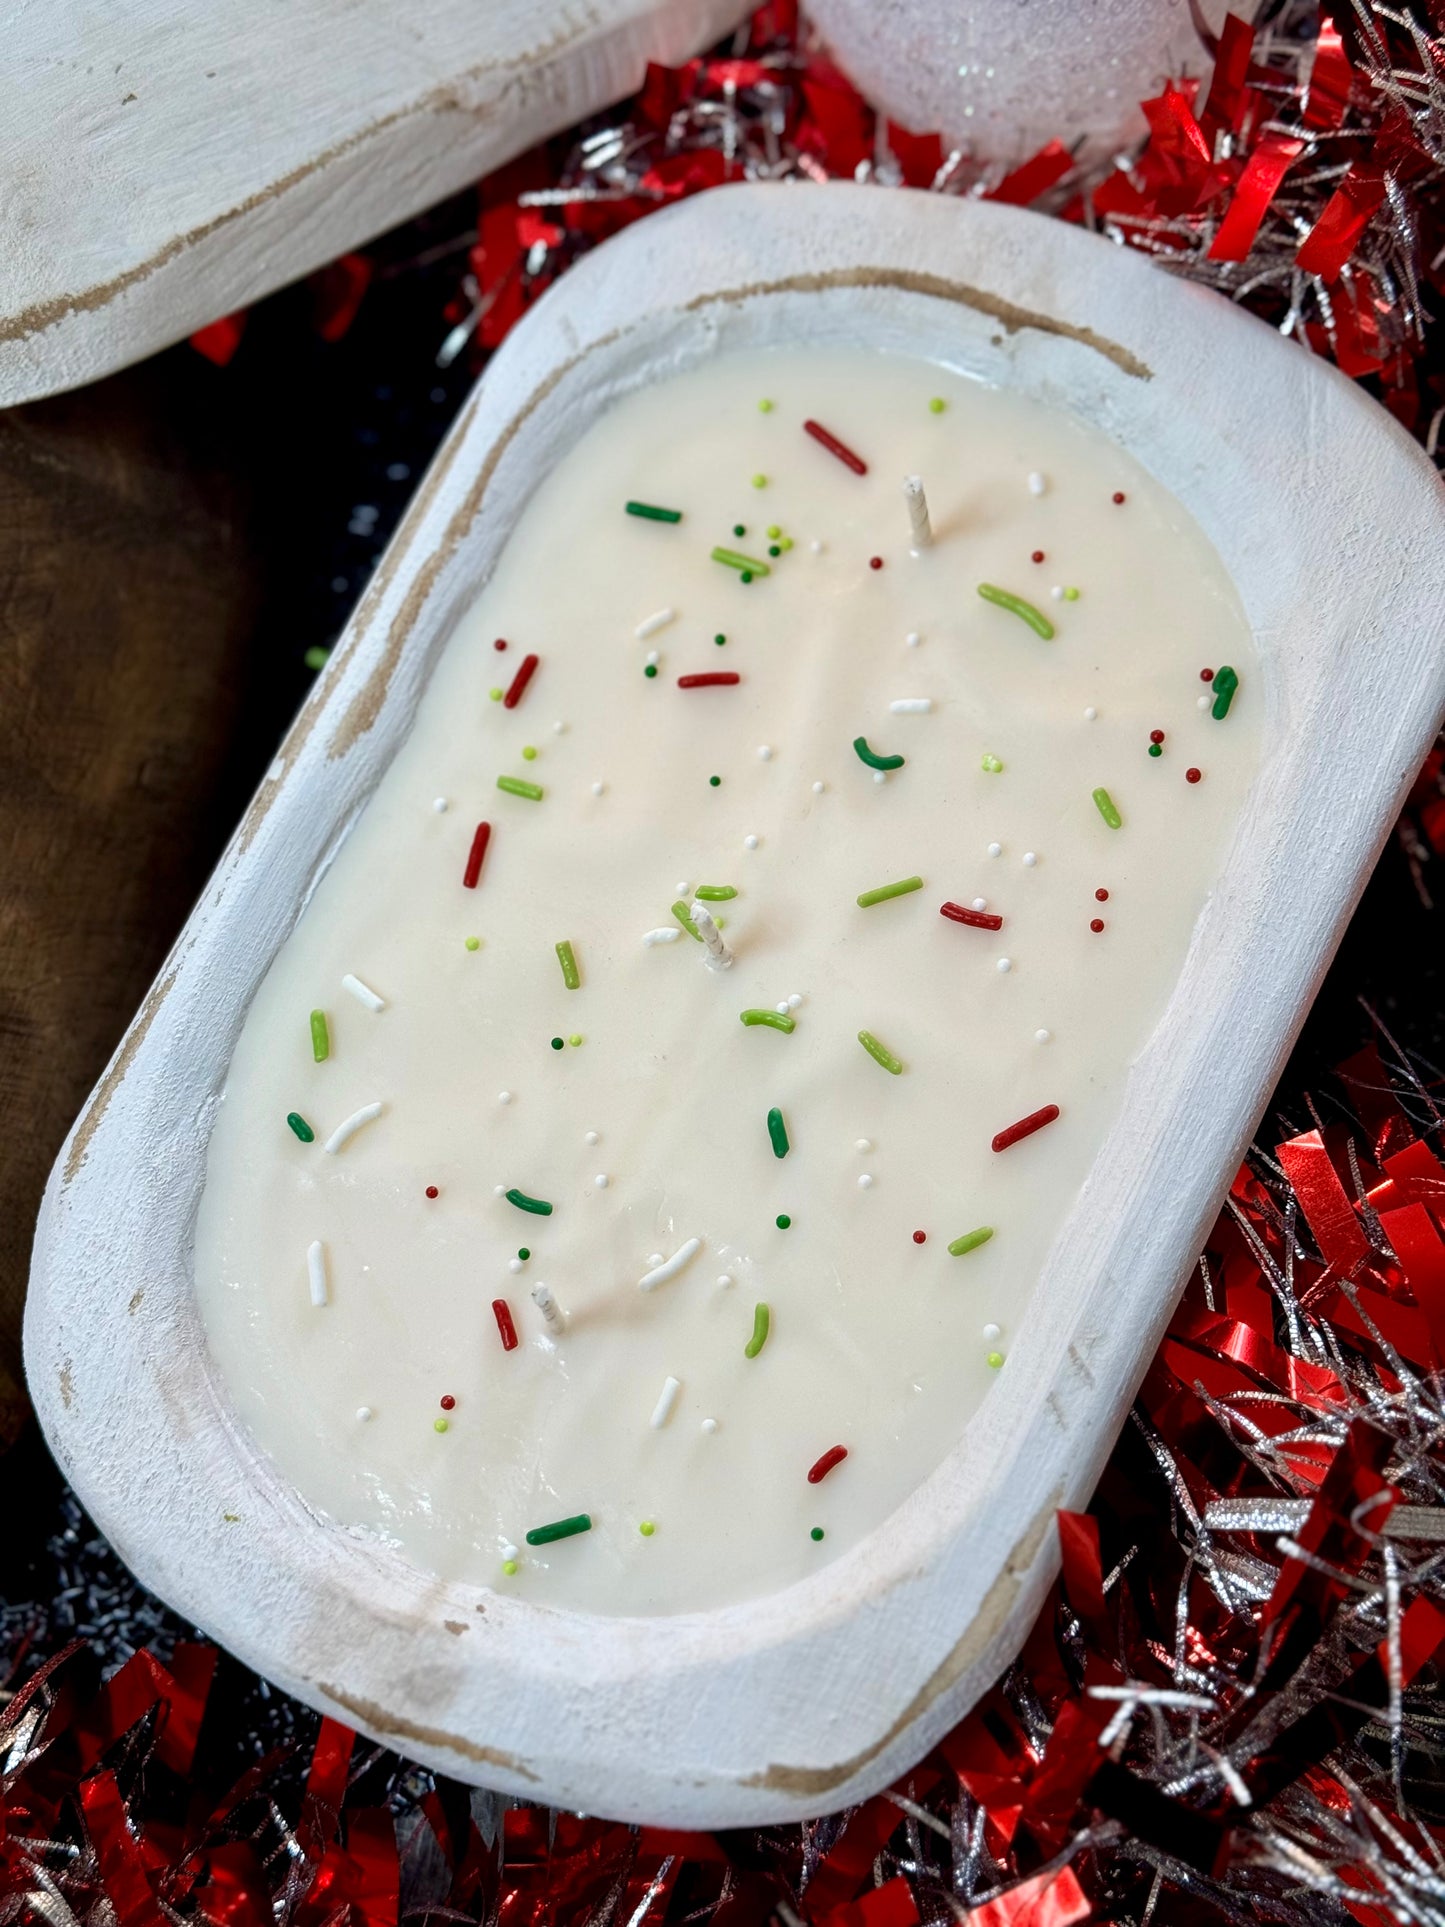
(660, 1160)
(635, 1168)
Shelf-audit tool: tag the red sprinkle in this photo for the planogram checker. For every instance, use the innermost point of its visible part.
(499, 644)
(1026, 1126)
(1037, 556)
(920, 1237)
(1156, 736)
(1192, 775)
(432, 1191)
(1101, 896)
(1118, 495)
(979, 919)
(875, 561)
(501, 1311)
(835, 447)
(834, 1455)
(1206, 675)
(1096, 924)
(718, 679)
(475, 855)
(447, 1402)
(526, 669)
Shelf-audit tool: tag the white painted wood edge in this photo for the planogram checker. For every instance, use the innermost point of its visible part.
(169, 161)
(1328, 519)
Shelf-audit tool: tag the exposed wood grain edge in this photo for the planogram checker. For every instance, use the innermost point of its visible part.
(397, 1726)
(106, 1089)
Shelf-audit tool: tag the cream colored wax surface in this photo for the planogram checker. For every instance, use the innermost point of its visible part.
(652, 1130)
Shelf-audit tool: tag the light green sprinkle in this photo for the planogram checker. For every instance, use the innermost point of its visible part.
(539, 1207)
(732, 559)
(991, 765)
(995, 1359)
(774, 1019)
(439, 1425)
(937, 405)
(778, 1132)
(509, 1566)
(515, 786)
(773, 531)
(569, 965)
(760, 481)
(316, 657)
(647, 1528)
(320, 1037)
(785, 542)
(575, 1038)
(879, 1052)
(887, 890)
(970, 1241)
(872, 758)
(473, 943)
(1071, 595)
(559, 1529)
(529, 754)
(762, 1320)
(765, 407)
(715, 892)
(496, 694)
(1035, 618)
(680, 911)
(1104, 803)
(299, 1125)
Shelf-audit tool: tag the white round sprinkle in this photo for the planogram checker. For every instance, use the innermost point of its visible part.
(980, 903)
(363, 1413)
(653, 658)
(655, 1259)
(818, 789)
(724, 1280)
(880, 776)
(995, 849)
(499, 1190)
(602, 1180)
(816, 546)
(1042, 1036)
(765, 752)
(709, 1425)
(591, 1138)
(1091, 715)
(597, 788)
(440, 806)
(865, 1181)
(1029, 859)
(559, 729)
(782, 1008)
(683, 889)
(1202, 702)
(864, 1144)
(514, 1264)
(913, 638)
(794, 999)
(509, 1551)
(992, 1331)
(1004, 966)
(1057, 592)
(504, 1097)
(750, 842)
(1037, 484)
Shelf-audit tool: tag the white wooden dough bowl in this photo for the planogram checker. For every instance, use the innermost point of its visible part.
(1326, 516)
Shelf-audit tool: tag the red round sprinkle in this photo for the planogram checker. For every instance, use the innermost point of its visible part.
(834, 1455)
(920, 1237)
(1037, 556)
(447, 1401)
(1192, 775)
(1156, 736)
(1101, 896)
(1096, 924)
(1118, 495)
(432, 1191)
(499, 644)
(875, 561)
(1206, 675)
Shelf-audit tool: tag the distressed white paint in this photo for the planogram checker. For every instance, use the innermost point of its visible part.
(1326, 517)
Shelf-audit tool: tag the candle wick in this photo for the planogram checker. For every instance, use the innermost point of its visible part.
(920, 529)
(718, 956)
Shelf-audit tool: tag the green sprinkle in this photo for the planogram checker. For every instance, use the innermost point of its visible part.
(514, 786)
(740, 528)
(680, 911)
(762, 1319)
(765, 407)
(650, 513)
(887, 890)
(719, 640)
(970, 1241)
(995, 1359)
(524, 1254)
(746, 576)
(439, 1425)
(760, 481)
(529, 754)
(782, 1221)
(320, 1037)
(816, 1533)
(316, 657)
(575, 1038)
(1035, 618)
(647, 1528)
(715, 892)
(937, 405)
(1071, 595)
(473, 943)
(509, 1566)
(1156, 749)
(539, 1207)
(299, 1125)
(713, 781)
(991, 766)
(774, 1019)
(731, 559)
(774, 549)
(879, 1052)
(871, 757)
(1225, 684)
(559, 1529)
(556, 1043)
(650, 670)
(569, 965)
(496, 694)
(1104, 803)
(778, 1132)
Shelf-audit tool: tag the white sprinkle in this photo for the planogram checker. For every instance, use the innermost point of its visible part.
(709, 1425)
(662, 1411)
(499, 1190)
(591, 1137)
(546, 1304)
(509, 1551)
(1202, 702)
(913, 638)
(668, 935)
(980, 903)
(724, 1280)
(919, 529)
(1037, 484)
(880, 776)
(350, 1126)
(653, 658)
(504, 1097)
(602, 1180)
(795, 997)
(670, 1267)
(316, 1272)
(559, 729)
(363, 1414)
(864, 1144)
(750, 842)
(1004, 966)
(651, 624)
(514, 1264)
(995, 849)
(865, 1181)
(717, 955)
(1091, 715)
(765, 752)
(1057, 592)
(818, 789)
(782, 1008)
(598, 788)
(440, 805)
(683, 888)
(992, 1331)
(912, 706)
(1029, 859)
(656, 1258)
(1042, 1036)
(816, 546)
(363, 993)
